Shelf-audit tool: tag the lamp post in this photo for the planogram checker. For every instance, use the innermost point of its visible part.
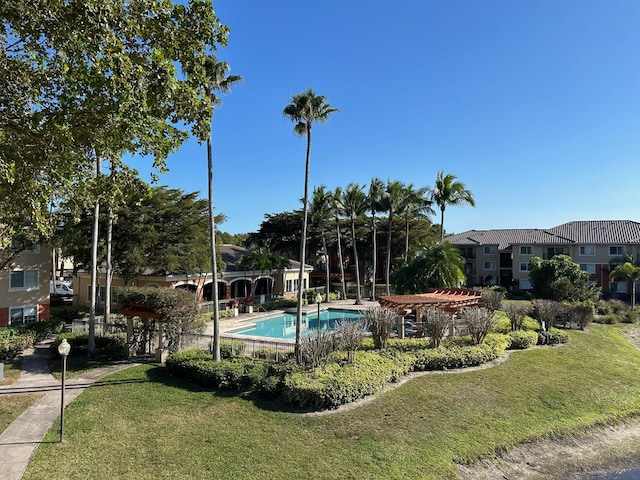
(63, 349)
(318, 301)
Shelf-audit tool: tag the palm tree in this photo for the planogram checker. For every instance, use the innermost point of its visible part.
(433, 266)
(376, 191)
(414, 205)
(337, 195)
(305, 109)
(321, 212)
(448, 191)
(627, 271)
(353, 205)
(217, 81)
(391, 201)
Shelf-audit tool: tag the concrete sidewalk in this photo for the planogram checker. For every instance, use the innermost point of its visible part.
(20, 439)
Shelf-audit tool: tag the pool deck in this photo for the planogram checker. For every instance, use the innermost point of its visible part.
(245, 320)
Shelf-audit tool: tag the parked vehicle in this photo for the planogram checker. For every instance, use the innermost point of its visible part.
(61, 288)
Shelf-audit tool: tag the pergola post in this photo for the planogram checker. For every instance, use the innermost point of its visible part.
(130, 341)
(161, 354)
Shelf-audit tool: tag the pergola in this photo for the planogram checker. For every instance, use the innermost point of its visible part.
(449, 299)
(146, 314)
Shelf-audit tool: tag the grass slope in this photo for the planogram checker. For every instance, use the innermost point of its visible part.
(145, 423)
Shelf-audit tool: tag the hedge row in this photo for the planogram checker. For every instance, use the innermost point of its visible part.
(111, 346)
(14, 340)
(337, 382)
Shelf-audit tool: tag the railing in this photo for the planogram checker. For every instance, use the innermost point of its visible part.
(270, 349)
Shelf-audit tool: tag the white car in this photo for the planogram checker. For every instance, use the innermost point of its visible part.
(61, 288)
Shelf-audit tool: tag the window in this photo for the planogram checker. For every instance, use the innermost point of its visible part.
(489, 265)
(588, 250)
(588, 267)
(22, 315)
(490, 249)
(524, 266)
(526, 250)
(102, 291)
(618, 287)
(289, 286)
(525, 284)
(23, 279)
(617, 250)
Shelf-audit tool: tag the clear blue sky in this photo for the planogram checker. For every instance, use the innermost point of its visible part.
(534, 105)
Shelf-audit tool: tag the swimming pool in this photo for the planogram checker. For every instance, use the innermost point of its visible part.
(284, 326)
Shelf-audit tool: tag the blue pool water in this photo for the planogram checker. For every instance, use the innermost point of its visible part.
(284, 326)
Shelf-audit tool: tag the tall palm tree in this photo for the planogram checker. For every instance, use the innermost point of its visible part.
(449, 191)
(392, 202)
(218, 81)
(321, 212)
(414, 204)
(353, 204)
(305, 109)
(337, 195)
(627, 271)
(374, 197)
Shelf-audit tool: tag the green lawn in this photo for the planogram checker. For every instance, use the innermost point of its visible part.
(147, 424)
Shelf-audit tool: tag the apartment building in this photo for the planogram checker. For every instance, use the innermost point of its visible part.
(501, 257)
(24, 288)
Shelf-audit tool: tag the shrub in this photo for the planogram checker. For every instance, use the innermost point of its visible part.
(479, 322)
(316, 347)
(380, 321)
(546, 312)
(111, 346)
(493, 297)
(436, 323)
(553, 337)
(337, 383)
(349, 336)
(516, 312)
(630, 316)
(12, 345)
(442, 358)
(231, 348)
(521, 339)
(69, 313)
(580, 313)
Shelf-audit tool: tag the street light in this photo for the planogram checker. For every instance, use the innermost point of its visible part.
(63, 349)
(318, 301)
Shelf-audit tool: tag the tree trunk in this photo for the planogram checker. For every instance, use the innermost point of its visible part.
(109, 274)
(94, 267)
(389, 252)
(214, 268)
(344, 288)
(375, 258)
(355, 256)
(303, 245)
(326, 263)
(441, 224)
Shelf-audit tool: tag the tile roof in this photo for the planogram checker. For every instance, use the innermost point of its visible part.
(600, 231)
(579, 232)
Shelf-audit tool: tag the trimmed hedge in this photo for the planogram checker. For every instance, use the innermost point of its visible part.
(523, 339)
(336, 383)
(110, 346)
(454, 357)
(554, 337)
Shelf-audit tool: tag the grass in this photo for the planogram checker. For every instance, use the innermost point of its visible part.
(145, 421)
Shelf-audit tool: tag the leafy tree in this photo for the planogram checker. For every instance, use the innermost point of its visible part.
(627, 271)
(278, 233)
(448, 191)
(321, 213)
(304, 110)
(560, 278)
(353, 204)
(432, 266)
(217, 81)
(96, 81)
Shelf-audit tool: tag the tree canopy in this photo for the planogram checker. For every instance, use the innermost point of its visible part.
(560, 278)
(437, 265)
(92, 80)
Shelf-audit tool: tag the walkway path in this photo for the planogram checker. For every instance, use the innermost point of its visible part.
(20, 439)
